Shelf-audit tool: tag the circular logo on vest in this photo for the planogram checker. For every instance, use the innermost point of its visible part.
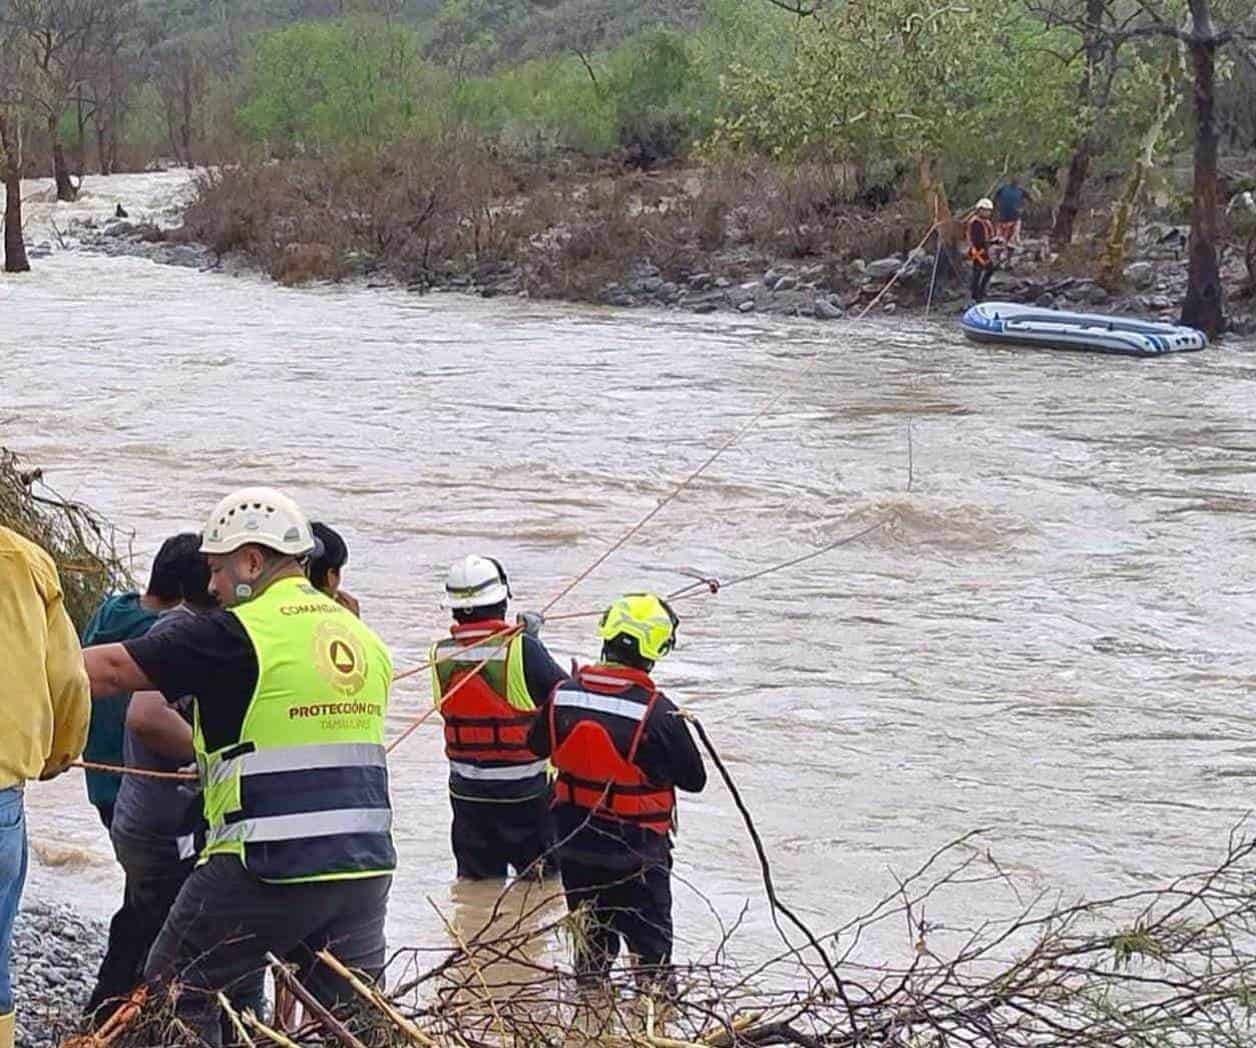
(339, 658)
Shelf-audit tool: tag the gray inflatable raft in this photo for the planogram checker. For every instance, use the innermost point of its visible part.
(1014, 324)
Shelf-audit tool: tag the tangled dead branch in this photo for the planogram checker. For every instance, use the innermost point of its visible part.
(1172, 965)
(84, 545)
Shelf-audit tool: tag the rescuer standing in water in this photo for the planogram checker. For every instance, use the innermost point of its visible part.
(621, 752)
(498, 788)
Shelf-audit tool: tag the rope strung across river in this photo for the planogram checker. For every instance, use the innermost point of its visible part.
(702, 586)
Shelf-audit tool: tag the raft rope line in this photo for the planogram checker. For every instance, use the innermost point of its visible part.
(699, 587)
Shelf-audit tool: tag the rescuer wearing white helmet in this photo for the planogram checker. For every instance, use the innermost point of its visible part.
(980, 239)
(291, 698)
(487, 680)
(621, 752)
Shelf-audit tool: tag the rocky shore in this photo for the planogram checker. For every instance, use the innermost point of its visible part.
(1154, 284)
(56, 952)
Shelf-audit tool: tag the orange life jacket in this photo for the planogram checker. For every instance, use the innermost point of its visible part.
(596, 723)
(481, 727)
(980, 255)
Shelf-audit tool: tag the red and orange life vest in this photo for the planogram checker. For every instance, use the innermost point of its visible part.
(980, 255)
(596, 723)
(485, 732)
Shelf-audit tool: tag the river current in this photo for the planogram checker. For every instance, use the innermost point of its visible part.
(1051, 641)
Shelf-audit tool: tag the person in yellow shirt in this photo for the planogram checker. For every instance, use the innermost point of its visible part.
(43, 719)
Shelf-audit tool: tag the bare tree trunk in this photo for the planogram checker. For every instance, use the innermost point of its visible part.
(1205, 298)
(15, 260)
(115, 118)
(60, 173)
(1112, 264)
(185, 123)
(102, 148)
(1070, 202)
(81, 145)
(1079, 162)
(933, 190)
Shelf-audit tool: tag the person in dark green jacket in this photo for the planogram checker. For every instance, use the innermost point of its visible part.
(120, 617)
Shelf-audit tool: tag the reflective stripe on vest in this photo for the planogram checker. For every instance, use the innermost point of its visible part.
(297, 758)
(506, 773)
(585, 700)
(304, 825)
(302, 793)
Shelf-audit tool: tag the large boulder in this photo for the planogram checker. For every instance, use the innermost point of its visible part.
(1140, 275)
(883, 268)
(827, 309)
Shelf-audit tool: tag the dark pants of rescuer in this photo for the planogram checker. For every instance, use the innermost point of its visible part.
(629, 906)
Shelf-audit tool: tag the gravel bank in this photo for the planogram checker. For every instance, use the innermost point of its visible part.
(55, 955)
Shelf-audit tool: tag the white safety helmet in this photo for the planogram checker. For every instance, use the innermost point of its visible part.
(475, 582)
(258, 516)
(985, 204)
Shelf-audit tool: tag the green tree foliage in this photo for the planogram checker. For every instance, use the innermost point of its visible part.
(327, 83)
(880, 81)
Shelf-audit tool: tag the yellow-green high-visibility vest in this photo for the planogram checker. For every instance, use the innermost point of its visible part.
(302, 794)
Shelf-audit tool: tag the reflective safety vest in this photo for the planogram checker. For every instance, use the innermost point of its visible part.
(488, 716)
(596, 723)
(302, 794)
(980, 255)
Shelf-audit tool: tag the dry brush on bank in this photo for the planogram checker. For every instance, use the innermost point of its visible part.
(460, 211)
(1168, 965)
(84, 546)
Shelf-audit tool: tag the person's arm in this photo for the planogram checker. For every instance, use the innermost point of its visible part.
(669, 754)
(196, 655)
(538, 740)
(158, 726)
(111, 671)
(540, 671)
(68, 688)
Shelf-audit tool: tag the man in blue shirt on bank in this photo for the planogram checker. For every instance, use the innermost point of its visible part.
(1009, 206)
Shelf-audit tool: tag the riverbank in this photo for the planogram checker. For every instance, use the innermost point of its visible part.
(755, 242)
(56, 951)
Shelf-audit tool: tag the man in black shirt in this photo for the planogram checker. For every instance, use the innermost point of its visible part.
(621, 751)
(291, 699)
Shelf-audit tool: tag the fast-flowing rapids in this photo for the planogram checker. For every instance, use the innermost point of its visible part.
(1052, 640)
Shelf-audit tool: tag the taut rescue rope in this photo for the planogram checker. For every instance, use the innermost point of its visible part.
(694, 589)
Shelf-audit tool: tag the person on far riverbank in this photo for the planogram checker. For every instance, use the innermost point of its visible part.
(981, 241)
(1009, 207)
(43, 718)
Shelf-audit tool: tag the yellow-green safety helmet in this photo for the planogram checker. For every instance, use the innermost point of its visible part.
(647, 619)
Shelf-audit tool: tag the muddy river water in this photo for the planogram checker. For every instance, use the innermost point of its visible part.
(1053, 640)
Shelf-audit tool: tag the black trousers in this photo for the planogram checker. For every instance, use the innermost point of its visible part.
(981, 280)
(225, 920)
(152, 884)
(633, 906)
(490, 838)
